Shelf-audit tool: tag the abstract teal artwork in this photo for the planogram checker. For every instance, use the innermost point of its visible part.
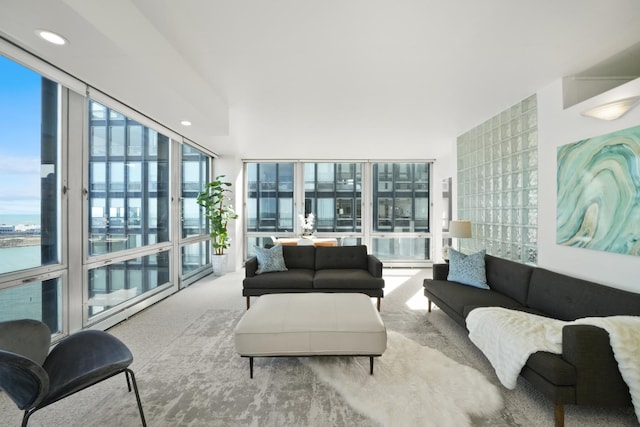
(599, 193)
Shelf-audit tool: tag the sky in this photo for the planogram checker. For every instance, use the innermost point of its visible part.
(19, 139)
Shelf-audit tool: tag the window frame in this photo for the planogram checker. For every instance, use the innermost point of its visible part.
(367, 233)
(71, 268)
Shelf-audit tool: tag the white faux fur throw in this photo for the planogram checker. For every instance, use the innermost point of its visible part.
(508, 337)
(412, 385)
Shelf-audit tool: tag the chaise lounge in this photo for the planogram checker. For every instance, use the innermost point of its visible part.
(586, 372)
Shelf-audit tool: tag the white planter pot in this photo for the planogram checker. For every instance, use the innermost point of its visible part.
(219, 264)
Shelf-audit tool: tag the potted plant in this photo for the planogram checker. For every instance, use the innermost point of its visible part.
(307, 224)
(213, 198)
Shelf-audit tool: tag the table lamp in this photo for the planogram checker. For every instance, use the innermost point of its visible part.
(460, 229)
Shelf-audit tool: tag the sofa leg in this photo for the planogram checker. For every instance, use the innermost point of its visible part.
(379, 304)
(248, 302)
(559, 415)
(429, 306)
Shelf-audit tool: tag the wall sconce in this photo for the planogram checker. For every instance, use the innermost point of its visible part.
(460, 229)
(612, 110)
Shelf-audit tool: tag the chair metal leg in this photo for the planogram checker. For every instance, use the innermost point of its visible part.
(25, 418)
(135, 388)
(126, 373)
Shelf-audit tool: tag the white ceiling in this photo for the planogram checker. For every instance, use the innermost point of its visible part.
(324, 78)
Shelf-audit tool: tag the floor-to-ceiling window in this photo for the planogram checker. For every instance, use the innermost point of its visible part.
(384, 205)
(269, 202)
(97, 202)
(128, 183)
(333, 193)
(128, 207)
(195, 244)
(401, 211)
(31, 263)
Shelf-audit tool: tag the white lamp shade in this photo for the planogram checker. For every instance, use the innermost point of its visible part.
(460, 229)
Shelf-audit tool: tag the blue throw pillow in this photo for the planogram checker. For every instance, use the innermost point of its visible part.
(468, 269)
(270, 259)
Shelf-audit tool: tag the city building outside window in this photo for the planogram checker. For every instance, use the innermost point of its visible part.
(129, 206)
(394, 224)
(195, 171)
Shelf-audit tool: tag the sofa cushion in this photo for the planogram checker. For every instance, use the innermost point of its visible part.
(569, 298)
(270, 259)
(467, 269)
(299, 257)
(552, 368)
(516, 306)
(292, 278)
(342, 257)
(508, 277)
(459, 296)
(346, 279)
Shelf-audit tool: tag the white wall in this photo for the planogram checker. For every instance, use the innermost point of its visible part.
(558, 127)
(444, 167)
(230, 165)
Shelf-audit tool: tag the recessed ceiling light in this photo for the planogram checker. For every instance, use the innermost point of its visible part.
(185, 123)
(52, 37)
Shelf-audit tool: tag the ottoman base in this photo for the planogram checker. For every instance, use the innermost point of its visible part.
(313, 324)
(354, 355)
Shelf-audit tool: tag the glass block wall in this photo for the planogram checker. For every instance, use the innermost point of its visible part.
(498, 184)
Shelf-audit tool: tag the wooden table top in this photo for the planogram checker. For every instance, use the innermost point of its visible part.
(330, 241)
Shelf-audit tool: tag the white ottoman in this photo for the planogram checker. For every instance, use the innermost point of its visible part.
(311, 324)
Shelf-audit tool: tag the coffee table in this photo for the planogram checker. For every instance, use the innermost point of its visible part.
(311, 324)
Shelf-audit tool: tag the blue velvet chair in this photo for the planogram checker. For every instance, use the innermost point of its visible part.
(34, 378)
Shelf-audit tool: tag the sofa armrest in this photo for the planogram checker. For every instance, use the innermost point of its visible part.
(374, 265)
(599, 381)
(440, 271)
(250, 267)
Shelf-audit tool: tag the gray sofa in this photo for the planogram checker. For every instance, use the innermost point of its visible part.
(586, 373)
(318, 269)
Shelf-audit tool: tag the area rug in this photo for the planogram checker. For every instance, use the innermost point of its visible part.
(197, 379)
(433, 389)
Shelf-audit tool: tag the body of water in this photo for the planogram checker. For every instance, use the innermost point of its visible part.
(19, 258)
(20, 301)
(32, 219)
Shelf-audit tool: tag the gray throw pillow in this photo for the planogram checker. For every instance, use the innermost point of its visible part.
(270, 259)
(468, 269)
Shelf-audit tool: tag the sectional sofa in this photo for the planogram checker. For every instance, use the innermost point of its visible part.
(318, 269)
(586, 373)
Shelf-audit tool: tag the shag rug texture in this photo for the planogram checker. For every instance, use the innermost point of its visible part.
(433, 389)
